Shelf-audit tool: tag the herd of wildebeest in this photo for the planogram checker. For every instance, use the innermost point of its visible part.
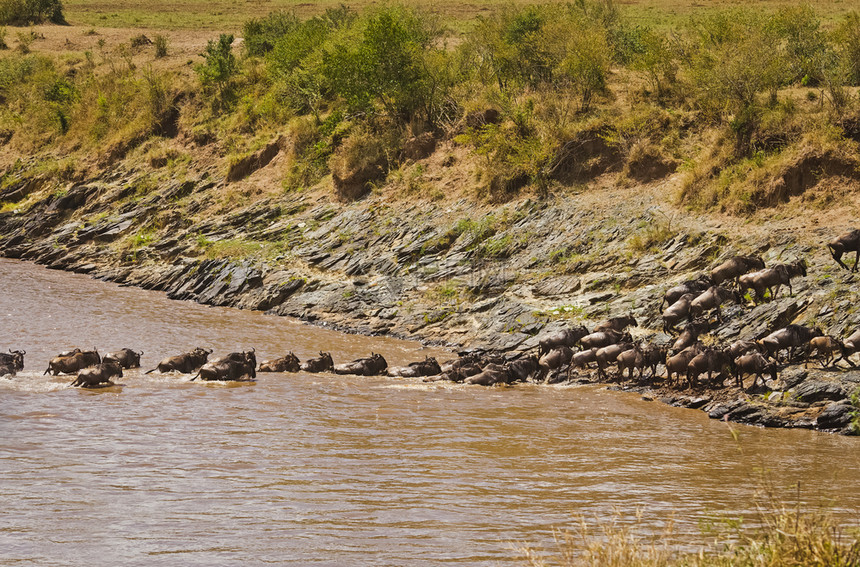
(695, 302)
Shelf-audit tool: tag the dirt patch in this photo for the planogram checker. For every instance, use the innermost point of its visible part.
(258, 160)
(805, 172)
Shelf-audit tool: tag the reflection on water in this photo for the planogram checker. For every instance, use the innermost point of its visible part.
(332, 470)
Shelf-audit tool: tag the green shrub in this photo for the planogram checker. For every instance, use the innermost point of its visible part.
(380, 63)
(218, 69)
(846, 43)
(160, 43)
(262, 34)
(27, 12)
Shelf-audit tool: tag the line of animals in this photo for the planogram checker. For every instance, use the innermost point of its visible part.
(694, 301)
(607, 344)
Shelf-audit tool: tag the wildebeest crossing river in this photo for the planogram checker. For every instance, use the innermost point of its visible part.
(339, 470)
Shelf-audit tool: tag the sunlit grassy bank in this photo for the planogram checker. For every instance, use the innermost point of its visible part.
(786, 536)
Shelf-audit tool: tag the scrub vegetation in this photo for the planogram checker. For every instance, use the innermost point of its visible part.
(753, 107)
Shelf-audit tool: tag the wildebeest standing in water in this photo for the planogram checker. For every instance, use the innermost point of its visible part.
(185, 363)
(73, 362)
(12, 362)
(289, 363)
(373, 365)
(99, 374)
(230, 367)
(427, 367)
(322, 363)
(126, 358)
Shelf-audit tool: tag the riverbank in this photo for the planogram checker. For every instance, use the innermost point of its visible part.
(456, 272)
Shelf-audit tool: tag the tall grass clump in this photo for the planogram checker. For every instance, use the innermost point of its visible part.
(785, 536)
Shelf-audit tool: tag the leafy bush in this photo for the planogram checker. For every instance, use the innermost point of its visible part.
(544, 46)
(846, 43)
(27, 12)
(261, 35)
(218, 68)
(380, 63)
(295, 62)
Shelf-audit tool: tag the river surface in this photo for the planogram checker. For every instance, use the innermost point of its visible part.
(331, 470)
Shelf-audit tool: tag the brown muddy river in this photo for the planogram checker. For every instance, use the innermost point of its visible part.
(331, 470)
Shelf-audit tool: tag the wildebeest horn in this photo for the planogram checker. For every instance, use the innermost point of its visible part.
(207, 351)
(140, 353)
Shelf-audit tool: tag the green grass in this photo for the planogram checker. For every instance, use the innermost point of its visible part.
(229, 15)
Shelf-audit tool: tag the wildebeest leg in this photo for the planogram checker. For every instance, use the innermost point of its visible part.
(837, 255)
(856, 258)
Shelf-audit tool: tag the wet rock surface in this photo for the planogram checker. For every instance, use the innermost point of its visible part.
(453, 273)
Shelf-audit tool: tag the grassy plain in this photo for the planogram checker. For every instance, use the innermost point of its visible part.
(229, 15)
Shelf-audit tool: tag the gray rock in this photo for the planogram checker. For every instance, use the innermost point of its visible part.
(818, 390)
(836, 416)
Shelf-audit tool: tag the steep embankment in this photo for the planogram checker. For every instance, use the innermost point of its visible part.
(449, 270)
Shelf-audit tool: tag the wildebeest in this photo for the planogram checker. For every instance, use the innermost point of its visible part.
(641, 357)
(492, 374)
(742, 347)
(735, 267)
(631, 359)
(850, 346)
(677, 364)
(322, 363)
(582, 359)
(608, 354)
(227, 369)
(524, 368)
(772, 279)
(427, 367)
(677, 312)
(289, 363)
(564, 337)
(695, 286)
(753, 363)
(690, 334)
(825, 349)
(712, 298)
(185, 363)
(373, 365)
(249, 356)
(710, 360)
(603, 338)
(99, 374)
(790, 337)
(11, 362)
(555, 359)
(616, 324)
(126, 358)
(74, 362)
(848, 242)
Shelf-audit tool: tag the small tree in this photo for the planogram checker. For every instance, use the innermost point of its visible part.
(219, 67)
(27, 12)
